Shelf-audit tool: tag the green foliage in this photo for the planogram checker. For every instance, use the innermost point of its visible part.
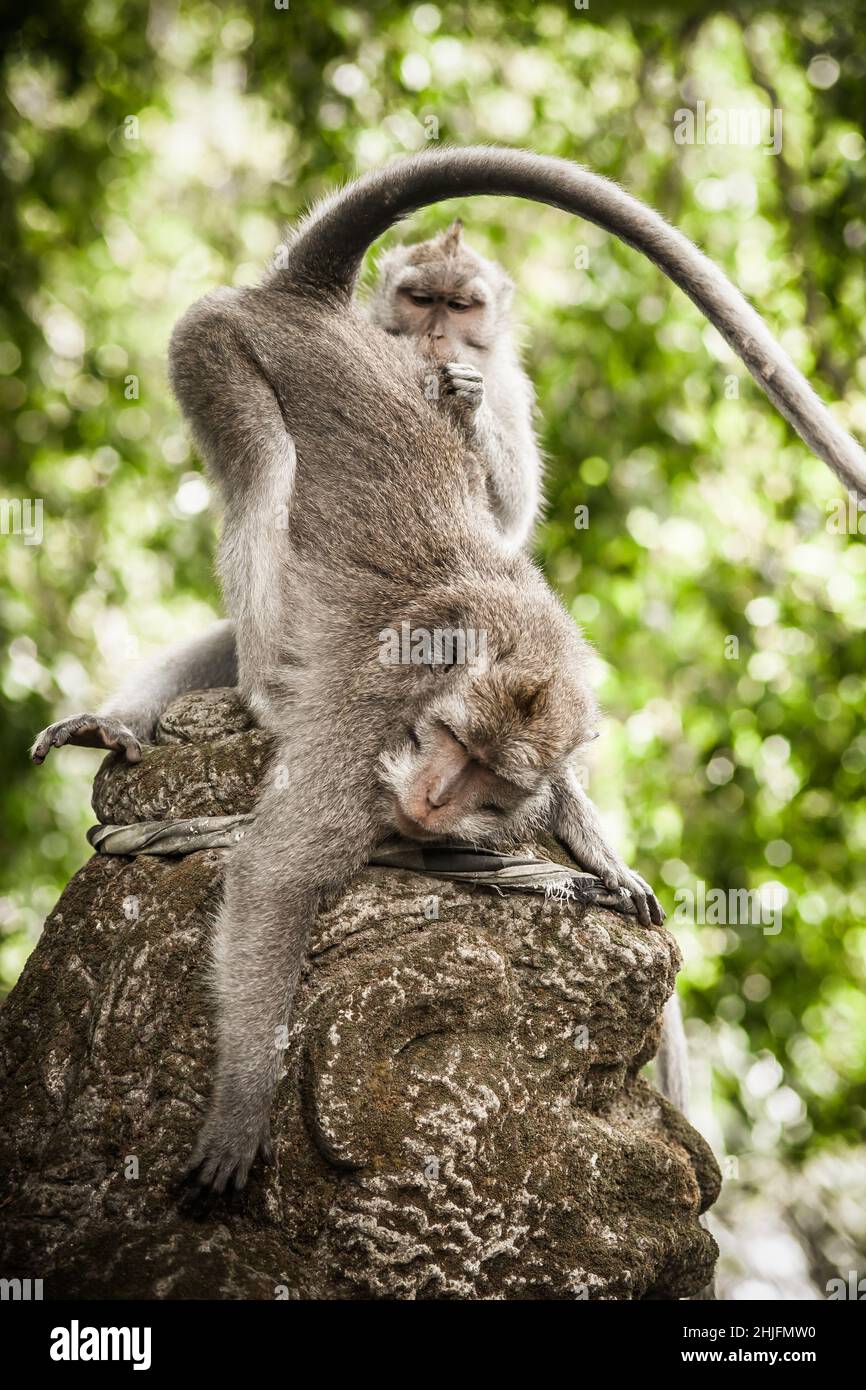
(153, 153)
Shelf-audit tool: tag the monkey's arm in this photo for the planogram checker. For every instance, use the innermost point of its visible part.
(129, 717)
(503, 440)
(237, 422)
(512, 466)
(312, 832)
(576, 822)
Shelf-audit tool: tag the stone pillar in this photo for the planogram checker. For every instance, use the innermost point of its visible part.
(462, 1114)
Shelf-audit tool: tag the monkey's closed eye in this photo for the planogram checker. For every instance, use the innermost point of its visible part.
(459, 306)
(419, 299)
(449, 730)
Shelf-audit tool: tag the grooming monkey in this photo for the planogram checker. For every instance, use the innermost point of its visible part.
(453, 304)
(294, 400)
(210, 659)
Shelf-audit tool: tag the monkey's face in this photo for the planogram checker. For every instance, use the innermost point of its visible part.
(443, 788)
(477, 763)
(452, 321)
(443, 294)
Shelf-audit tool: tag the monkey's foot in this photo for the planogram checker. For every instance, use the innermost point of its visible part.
(465, 384)
(220, 1164)
(88, 731)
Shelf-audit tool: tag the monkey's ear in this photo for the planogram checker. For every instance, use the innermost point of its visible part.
(504, 291)
(532, 698)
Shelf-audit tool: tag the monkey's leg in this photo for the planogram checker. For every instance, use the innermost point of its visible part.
(575, 821)
(237, 421)
(309, 837)
(129, 716)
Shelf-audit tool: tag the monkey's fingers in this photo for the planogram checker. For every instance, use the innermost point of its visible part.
(464, 381)
(211, 1176)
(617, 878)
(88, 731)
(645, 903)
(641, 906)
(462, 371)
(630, 885)
(657, 912)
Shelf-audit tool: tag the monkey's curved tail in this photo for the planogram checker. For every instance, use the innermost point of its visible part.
(327, 249)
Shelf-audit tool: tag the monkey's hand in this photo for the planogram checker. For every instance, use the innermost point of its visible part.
(463, 388)
(88, 731)
(231, 1139)
(619, 878)
(576, 822)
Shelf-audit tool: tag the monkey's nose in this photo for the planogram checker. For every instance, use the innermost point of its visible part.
(412, 823)
(438, 794)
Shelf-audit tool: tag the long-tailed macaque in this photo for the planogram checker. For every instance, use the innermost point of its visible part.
(455, 305)
(353, 506)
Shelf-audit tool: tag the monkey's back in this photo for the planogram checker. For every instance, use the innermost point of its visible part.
(383, 479)
(387, 516)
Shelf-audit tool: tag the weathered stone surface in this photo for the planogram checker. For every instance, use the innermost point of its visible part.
(204, 715)
(207, 762)
(461, 1116)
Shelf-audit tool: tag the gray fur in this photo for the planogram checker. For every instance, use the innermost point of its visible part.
(487, 394)
(326, 254)
(302, 407)
(206, 660)
(129, 717)
(491, 402)
(351, 505)
(475, 358)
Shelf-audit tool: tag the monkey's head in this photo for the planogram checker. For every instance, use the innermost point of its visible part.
(485, 740)
(444, 294)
